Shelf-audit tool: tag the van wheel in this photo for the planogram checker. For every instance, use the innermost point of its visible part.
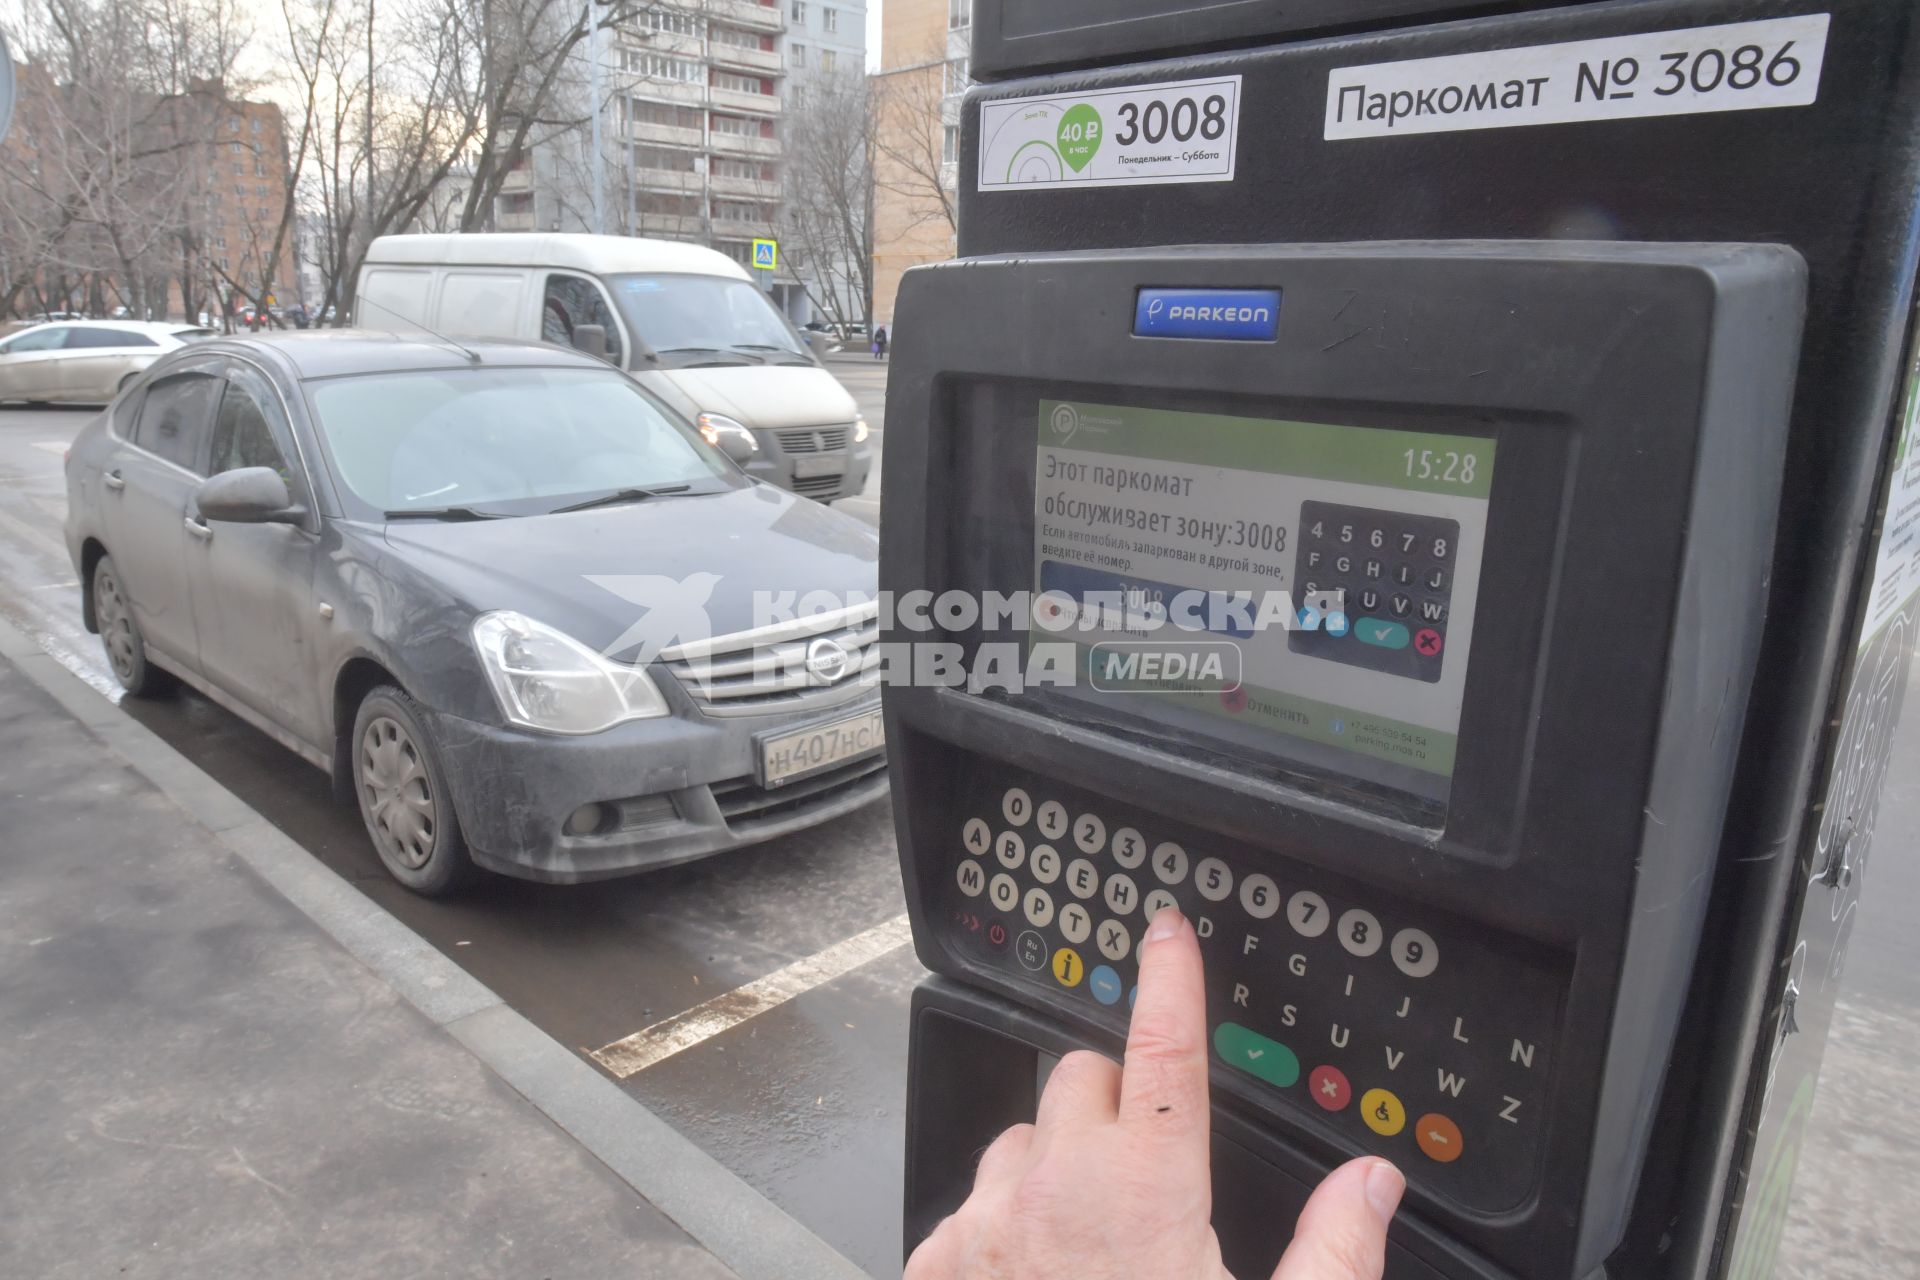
(403, 796)
(120, 634)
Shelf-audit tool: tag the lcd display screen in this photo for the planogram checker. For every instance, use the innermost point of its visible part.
(1305, 590)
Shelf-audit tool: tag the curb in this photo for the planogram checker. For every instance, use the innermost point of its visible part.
(723, 1214)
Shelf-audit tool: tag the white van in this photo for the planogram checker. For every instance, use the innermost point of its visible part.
(688, 322)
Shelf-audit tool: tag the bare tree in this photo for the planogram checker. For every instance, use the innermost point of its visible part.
(912, 159)
(830, 163)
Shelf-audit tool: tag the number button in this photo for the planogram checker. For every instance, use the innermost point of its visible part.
(1129, 848)
(972, 879)
(1004, 892)
(1083, 878)
(1114, 940)
(1170, 863)
(1414, 953)
(1260, 896)
(1214, 879)
(1307, 913)
(1089, 833)
(1359, 932)
(1053, 819)
(1045, 864)
(1039, 907)
(1121, 895)
(1067, 968)
(1016, 806)
(1010, 849)
(976, 837)
(1159, 900)
(1075, 923)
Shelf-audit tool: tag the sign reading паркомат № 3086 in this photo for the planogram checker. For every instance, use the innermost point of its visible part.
(1185, 131)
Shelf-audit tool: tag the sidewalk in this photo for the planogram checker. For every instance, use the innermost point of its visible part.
(198, 1079)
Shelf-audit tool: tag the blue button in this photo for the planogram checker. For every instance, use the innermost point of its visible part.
(1105, 984)
(1336, 624)
(1243, 315)
(1132, 994)
(1380, 632)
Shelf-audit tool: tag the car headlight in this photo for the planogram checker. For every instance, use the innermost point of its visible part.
(861, 430)
(715, 425)
(545, 679)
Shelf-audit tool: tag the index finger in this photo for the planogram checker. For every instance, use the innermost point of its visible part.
(1163, 1087)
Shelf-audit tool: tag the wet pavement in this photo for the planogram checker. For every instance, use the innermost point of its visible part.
(805, 1101)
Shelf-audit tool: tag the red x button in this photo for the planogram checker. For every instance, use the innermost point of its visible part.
(1427, 641)
(1328, 1086)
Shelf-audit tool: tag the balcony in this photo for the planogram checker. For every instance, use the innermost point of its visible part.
(733, 144)
(514, 221)
(666, 135)
(520, 179)
(666, 226)
(746, 188)
(749, 14)
(741, 229)
(666, 180)
(765, 62)
(758, 104)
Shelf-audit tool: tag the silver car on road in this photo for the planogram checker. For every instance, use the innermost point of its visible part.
(84, 361)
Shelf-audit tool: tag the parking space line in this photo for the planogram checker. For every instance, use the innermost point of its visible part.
(56, 447)
(664, 1039)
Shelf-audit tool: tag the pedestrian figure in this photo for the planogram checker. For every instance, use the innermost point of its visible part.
(880, 343)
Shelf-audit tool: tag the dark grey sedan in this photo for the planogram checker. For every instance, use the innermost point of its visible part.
(524, 613)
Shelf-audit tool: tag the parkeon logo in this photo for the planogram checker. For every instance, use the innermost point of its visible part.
(1065, 421)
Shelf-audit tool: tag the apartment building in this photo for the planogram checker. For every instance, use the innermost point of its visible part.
(924, 54)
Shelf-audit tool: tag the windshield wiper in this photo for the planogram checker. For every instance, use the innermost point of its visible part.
(618, 496)
(443, 513)
(737, 356)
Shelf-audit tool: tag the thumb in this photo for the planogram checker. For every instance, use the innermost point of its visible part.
(1342, 1233)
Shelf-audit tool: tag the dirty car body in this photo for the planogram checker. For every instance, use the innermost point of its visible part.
(425, 549)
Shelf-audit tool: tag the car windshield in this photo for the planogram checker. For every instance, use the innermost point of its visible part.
(493, 441)
(696, 320)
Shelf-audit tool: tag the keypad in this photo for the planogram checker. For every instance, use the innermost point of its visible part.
(1393, 1028)
(1393, 573)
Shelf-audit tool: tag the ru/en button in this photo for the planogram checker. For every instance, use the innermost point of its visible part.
(1256, 1055)
(1381, 633)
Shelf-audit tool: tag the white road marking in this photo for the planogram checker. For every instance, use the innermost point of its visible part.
(683, 1031)
(56, 447)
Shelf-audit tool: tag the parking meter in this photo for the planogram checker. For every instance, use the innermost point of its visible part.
(1560, 403)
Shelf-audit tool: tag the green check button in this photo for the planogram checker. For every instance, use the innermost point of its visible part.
(1381, 632)
(1256, 1055)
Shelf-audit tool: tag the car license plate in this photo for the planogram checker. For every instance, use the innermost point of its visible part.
(831, 464)
(795, 755)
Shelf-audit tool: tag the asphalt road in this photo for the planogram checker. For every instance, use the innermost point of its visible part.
(804, 1101)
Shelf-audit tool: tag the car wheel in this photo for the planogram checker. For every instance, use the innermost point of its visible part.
(403, 796)
(120, 633)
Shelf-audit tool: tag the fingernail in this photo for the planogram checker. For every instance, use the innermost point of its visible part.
(1165, 924)
(1384, 1185)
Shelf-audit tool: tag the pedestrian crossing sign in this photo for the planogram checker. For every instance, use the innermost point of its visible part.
(766, 254)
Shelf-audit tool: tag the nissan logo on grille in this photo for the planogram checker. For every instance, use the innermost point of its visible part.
(826, 660)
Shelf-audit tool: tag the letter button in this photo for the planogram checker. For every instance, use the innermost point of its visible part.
(976, 837)
(1114, 940)
(1213, 879)
(1121, 895)
(1004, 892)
(1010, 849)
(1016, 806)
(1045, 864)
(1083, 878)
(1039, 907)
(1159, 900)
(1438, 1137)
(1382, 1112)
(1075, 923)
(972, 879)
(1260, 896)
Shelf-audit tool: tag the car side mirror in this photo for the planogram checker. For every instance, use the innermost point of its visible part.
(592, 339)
(737, 447)
(247, 495)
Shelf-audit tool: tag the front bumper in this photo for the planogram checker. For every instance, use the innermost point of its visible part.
(676, 789)
(778, 467)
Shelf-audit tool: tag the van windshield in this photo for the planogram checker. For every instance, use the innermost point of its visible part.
(705, 320)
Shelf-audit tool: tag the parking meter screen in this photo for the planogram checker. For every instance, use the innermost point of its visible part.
(1281, 588)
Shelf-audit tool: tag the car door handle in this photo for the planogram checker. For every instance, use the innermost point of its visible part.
(114, 481)
(199, 529)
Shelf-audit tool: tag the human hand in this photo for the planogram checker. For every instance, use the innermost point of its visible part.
(1111, 1181)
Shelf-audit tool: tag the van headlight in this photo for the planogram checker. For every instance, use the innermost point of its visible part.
(544, 679)
(715, 425)
(861, 430)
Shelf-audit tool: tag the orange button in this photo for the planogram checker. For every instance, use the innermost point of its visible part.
(1438, 1137)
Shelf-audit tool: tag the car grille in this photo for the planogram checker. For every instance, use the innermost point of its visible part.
(818, 486)
(767, 669)
(812, 439)
(743, 801)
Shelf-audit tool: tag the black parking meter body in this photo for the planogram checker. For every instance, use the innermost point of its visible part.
(1528, 866)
